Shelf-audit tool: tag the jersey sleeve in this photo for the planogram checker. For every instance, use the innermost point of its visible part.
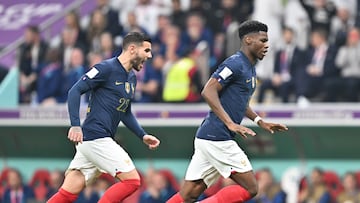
(97, 75)
(224, 74)
(74, 95)
(130, 122)
(93, 78)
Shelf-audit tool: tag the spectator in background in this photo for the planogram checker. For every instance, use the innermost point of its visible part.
(316, 190)
(199, 36)
(149, 84)
(288, 61)
(88, 195)
(357, 15)
(132, 24)
(98, 25)
(340, 26)
(320, 14)
(56, 179)
(351, 193)
(178, 16)
(296, 18)
(269, 190)
(94, 58)
(158, 189)
(75, 72)
(319, 65)
(205, 9)
(49, 79)
(103, 183)
(72, 21)
(112, 23)
(272, 17)
(31, 54)
(147, 13)
(171, 48)
(182, 81)
(163, 23)
(225, 15)
(107, 46)
(17, 191)
(347, 60)
(68, 43)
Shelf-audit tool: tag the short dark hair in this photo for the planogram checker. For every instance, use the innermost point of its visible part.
(33, 29)
(135, 38)
(251, 26)
(321, 32)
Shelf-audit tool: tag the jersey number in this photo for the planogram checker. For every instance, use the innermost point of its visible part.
(124, 103)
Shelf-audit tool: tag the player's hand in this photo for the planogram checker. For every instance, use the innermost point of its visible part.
(241, 130)
(151, 141)
(272, 127)
(75, 134)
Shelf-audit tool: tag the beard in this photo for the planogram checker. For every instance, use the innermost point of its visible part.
(137, 63)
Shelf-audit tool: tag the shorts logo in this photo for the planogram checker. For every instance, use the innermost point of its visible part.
(127, 161)
(127, 87)
(248, 80)
(118, 83)
(243, 162)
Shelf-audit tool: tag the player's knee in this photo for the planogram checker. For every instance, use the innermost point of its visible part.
(74, 182)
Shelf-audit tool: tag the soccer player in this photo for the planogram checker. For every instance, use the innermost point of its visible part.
(112, 85)
(228, 92)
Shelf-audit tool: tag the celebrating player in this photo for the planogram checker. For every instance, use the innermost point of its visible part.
(228, 92)
(112, 85)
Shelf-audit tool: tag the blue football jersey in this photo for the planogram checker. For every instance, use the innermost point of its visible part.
(238, 79)
(112, 89)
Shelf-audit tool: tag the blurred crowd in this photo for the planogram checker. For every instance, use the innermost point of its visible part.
(158, 185)
(314, 50)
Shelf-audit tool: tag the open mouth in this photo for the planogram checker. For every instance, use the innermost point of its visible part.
(264, 52)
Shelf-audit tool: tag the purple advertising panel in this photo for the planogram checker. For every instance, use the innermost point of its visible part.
(16, 15)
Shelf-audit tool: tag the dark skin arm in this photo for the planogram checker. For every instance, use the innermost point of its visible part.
(211, 95)
(271, 127)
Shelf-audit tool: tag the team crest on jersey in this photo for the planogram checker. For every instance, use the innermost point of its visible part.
(127, 87)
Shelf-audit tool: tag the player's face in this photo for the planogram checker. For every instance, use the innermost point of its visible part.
(143, 53)
(259, 45)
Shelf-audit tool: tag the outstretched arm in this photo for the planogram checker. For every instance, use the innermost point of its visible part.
(271, 127)
(130, 122)
(211, 95)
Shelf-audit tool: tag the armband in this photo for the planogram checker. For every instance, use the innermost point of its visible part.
(257, 119)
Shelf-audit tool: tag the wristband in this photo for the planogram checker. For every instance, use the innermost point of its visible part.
(257, 119)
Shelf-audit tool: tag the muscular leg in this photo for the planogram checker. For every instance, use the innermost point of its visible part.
(73, 184)
(129, 183)
(189, 192)
(246, 188)
(246, 180)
